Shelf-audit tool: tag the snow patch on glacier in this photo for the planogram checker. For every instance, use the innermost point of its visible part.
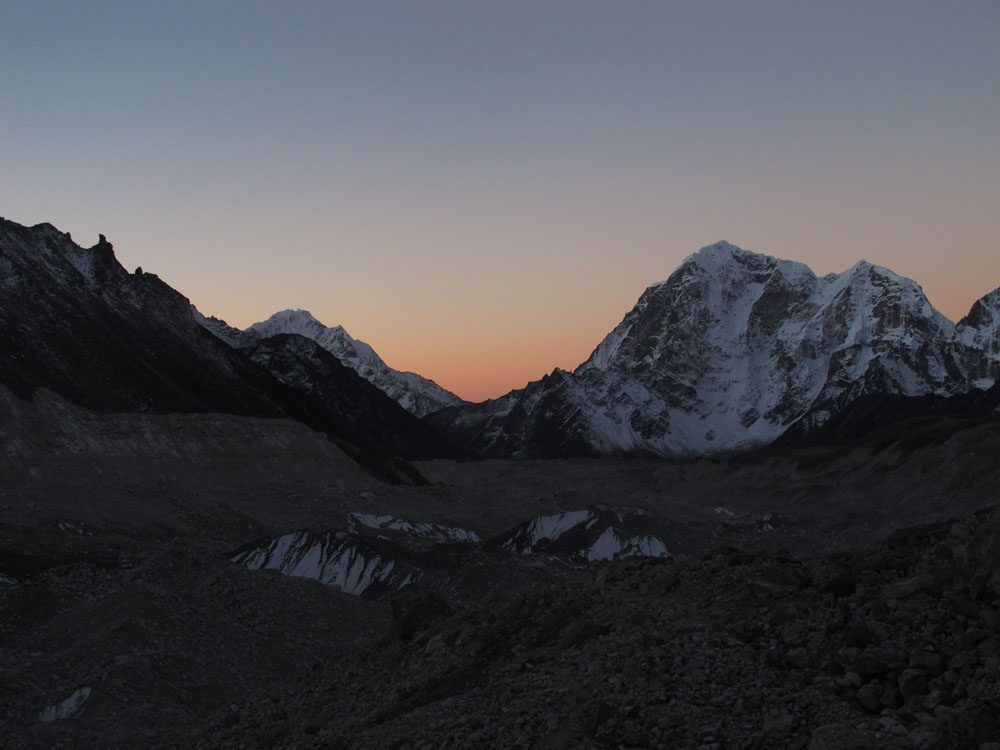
(429, 531)
(333, 558)
(591, 534)
(66, 708)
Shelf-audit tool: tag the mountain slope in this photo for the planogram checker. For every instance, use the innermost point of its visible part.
(362, 413)
(73, 321)
(414, 393)
(729, 352)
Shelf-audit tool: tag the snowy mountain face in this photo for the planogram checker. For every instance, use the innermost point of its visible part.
(733, 349)
(416, 394)
(978, 334)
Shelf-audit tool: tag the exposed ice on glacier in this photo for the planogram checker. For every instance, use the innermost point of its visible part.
(611, 545)
(66, 708)
(592, 534)
(429, 531)
(548, 527)
(334, 558)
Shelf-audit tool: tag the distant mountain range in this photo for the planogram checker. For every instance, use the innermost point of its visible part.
(732, 351)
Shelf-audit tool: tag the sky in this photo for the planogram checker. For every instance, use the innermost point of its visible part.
(481, 191)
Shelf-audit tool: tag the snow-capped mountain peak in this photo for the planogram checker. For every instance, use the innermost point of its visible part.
(733, 349)
(720, 256)
(416, 394)
(301, 322)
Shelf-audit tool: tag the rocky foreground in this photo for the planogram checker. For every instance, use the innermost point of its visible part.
(893, 646)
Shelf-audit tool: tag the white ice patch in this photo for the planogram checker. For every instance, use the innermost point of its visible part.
(74, 528)
(330, 559)
(764, 523)
(598, 532)
(549, 527)
(646, 546)
(611, 545)
(607, 546)
(431, 531)
(66, 708)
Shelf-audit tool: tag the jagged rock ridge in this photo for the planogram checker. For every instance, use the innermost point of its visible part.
(73, 320)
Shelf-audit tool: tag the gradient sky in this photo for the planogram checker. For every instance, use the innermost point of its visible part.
(481, 191)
